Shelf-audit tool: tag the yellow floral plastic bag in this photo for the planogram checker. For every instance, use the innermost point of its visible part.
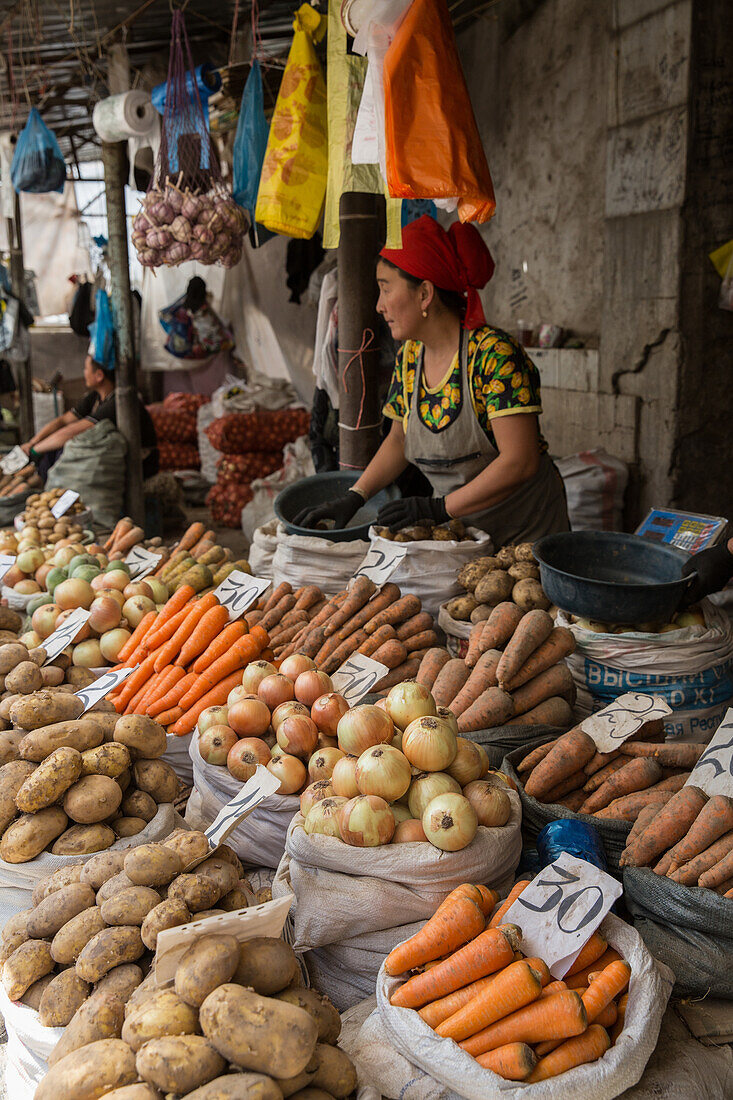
(293, 180)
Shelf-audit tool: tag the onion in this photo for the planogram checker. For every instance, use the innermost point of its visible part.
(87, 654)
(323, 817)
(400, 812)
(315, 793)
(485, 762)
(429, 744)
(112, 641)
(408, 701)
(426, 786)
(366, 822)
(297, 735)
(409, 832)
(448, 716)
(215, 743)
(491, 804)
(466, 764)
(343, 777)
(275, 689)
(238, 693)
(43, 619)
(259, 748)
(322, 763)
(276, 752)
(73, 593)
(295, 664)
(384, 771)
(327, 711)
(327, 742)
(363, 727)
(255, 673)
(136, 608)
(284, 711)
(396, 741)
(213, 716)
(311, 685)
(105, 614)
(450, 822)
(249, 718)
(502, 777)
(242, 761)
(290, 771)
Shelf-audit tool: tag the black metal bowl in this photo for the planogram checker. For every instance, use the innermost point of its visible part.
(319, 489)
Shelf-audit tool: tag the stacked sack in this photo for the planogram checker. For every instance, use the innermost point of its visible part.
(251, 446)
(175, 426)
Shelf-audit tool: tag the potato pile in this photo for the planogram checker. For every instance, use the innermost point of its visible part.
(453, 531)
(38, 511)
(511, 575)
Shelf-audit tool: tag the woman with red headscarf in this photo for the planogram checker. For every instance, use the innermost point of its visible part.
(464, 398)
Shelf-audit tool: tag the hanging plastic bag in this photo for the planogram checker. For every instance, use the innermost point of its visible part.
(373, 39)
(38, 166)
(193, 335)
(102, 333)
(434, 149)
(293, 182)
(250, 142)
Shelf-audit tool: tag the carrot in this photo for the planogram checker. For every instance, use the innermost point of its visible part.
(688, 873)
(457, 920)
(645, 817)
(532, 630)
(516, 986)
(431, 665)
(569, 753)
(607, 1016)
(132, 704)
(243, 651)
(560, 643)
(618, 1027)
(533, 758)
(715, 819)
(507, 904)
(599, 778)
(500, 625)
(557, 680)
(149, 693)
(133, 683)
(556, 1017)
(360, 590)
(374, 641)
(121, 527)
(312, 643)
(566, 786)
(540, 966)
(420, 643)
(274, 615)
(587, 1047)
(599, 761)
(489, 951)
(191, 536)
(292, 618)
(579, 980)
(214, 697)
(482, 677)
(212, 623)
(673, 783)
(168, 717)
(176, 603)
(669, 755)
(572, 801)
(474, 643)
(405, 671)
(307, 597)
(168, 679)
(252, 618)
(329, 608)
(391, 653)
(492, 708)
(276, 594)
(219, 645)
(173, 696)
(449, 681)
(399, 612)
(435, 1012)
(554, 711)
(380, 602)
(718, 873)
(629, 806)
(664, 865)
(168, 652)
(137, 635)
(513, 1061)
(638, 774)
(343, 650)
(605, 986)
(668, 826)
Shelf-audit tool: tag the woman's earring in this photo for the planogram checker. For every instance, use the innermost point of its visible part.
(424, 313)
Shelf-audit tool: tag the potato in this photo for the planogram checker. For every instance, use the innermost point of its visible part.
(10, 745)
(6, 704)
(108, 759)
(130, 906)
(128, 826)
(33, 711)
(113, 885)
(71, 939)
(11, 655)
(44, 740)
(141, 805)
(12, 777)
(99, 1017)
(494, 588)
(49, 781)
(206, 913)
(319, 1007)
(33, 996)
(52, 676)
(219, 871)
(64, 994)
(59, 908)
(524, 570)
(105, 723)
(92, 799)
(163, 1014)
(89, 1073)
(179, 1063)
(110, 947)
(266, 965)
(28, 963)
(143, 736)
(11, 621)
(81, 840)
(125, 779)
(169, 914)
(524, 552)
(80, 678)
(15, 926)
(473, 571)
(238, 898)
(196, 891)
(256, 1032)
(97, 870)
(210, 962)
(30, 834)
(121, 982)
(530, 596)
(64, 876)
(157, 779)
(147, 989)
(461, 607)
(290, 1085)
(505, 556)
(24, 678)
(334, 1071)
(312, 1094)
(136, 1092)
(237, 1086)
(152, 865)
(481, 612)
(230, 856)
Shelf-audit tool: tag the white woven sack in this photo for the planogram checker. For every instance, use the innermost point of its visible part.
(430, 569)
(595, 483)
(306, 559)
(259, 840)
(177, 754)
(18, 880)
(262, 550)
(205, 415)
(29, 1046)
(342, 892)
(17, 601)
(619, 1068)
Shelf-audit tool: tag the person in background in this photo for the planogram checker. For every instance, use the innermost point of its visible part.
(714, 568)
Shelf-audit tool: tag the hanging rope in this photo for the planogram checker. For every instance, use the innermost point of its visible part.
(233, 38)
(367, 339)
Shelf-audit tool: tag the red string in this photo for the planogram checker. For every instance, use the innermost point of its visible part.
(367, 339)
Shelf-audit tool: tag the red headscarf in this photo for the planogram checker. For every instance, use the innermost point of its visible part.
(457, 260)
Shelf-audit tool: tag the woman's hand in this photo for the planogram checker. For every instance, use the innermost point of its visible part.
(409, 511)
(341, 510)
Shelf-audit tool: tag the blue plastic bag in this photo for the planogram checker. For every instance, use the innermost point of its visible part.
(250, 142)
(102, 333)
(38, 165)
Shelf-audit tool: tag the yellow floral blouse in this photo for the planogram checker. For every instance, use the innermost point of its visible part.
(504, 380)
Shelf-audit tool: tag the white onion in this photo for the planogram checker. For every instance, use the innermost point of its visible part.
(343, 777)
(215, 743)
(425, 787)
(295, 664)
(466, 765)
(363, 727)
(448, 716)
(255, 673)
(290, 771)
(384, 771)
(322, 763)
(491, 803)
(409, 832)
(408, 701)
(213, 716)
(327, 710)
(485, 762)
(450, 822)
(429, 744)
(500, 777)
(285, 710)
(316, 792)
(366, 822)
(400, 812)
(323, 817)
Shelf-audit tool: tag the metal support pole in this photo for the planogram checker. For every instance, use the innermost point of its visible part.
(359, 412)
(17, 285)
(126, 398)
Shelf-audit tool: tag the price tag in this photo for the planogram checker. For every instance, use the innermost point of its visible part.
(101, 687)
(14, 460)
(713, 772)
(262, 784)
(142, 562)
(239, 591)
(561, 909)
(6, 562)
(63, 504)
(65, 634)
(624, 717)
(357, 676)
(381, 562)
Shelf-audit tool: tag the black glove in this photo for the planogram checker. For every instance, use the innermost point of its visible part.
(714, 568)
(408, 512)
(340, 510)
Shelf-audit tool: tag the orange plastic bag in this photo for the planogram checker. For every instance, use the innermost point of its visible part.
(434, 149)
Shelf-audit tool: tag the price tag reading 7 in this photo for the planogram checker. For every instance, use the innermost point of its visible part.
(101, 687)
(622, 718)
(561, 909)
(239, 591)
(65, 634)
(14, 460)
(380, 563)
(713, 772)
(142, 562)
(357, 676)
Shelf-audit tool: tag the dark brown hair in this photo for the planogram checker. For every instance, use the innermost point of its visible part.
(453, 300)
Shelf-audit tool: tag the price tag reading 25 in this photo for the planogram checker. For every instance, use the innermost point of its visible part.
(101, 687)
(381, 562)
(239, 591)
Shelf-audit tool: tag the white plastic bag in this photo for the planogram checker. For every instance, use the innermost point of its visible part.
(595, 483)
(457, 633)
(263, 547)
(307, 559)
(369, 144)
(208, 453)
(29, 1046)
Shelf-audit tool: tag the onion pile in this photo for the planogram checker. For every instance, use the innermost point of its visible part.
(174, 225)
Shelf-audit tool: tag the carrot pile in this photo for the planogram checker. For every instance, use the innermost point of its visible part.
(382, 624)
(502, 1008)
(189, 656)
(514, 672)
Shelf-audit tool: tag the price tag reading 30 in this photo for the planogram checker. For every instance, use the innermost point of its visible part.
(713, 772)
(101, 687)
(239, 591)
(622, 718)
(357, 676)
(142, 562)
(561, 909)
(62, 505)
(381, 562)
(14, 461)
(65, 634)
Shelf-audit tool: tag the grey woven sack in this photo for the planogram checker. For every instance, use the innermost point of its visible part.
(688, 928)
(500, 740)
(94, 465)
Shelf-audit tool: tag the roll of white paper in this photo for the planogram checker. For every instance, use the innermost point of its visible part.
(124, 116)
